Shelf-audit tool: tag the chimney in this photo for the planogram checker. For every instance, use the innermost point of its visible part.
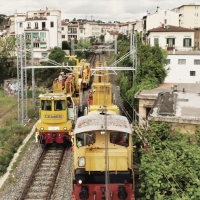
(175, 88)
(172, 89)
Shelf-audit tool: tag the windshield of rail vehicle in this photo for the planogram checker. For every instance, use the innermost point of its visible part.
(119, 138)
(59, 105)
(86, 138)
(46, 105)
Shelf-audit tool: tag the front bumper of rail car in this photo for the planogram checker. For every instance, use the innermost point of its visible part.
(98, 191)
(54, 138)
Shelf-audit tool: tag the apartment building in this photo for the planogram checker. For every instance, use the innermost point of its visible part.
(189, 15)
(182, 56)
(161, 17)
(64, 31)
(126, 28)
(42, 28)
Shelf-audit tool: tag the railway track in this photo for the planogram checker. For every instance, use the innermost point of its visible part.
(42, 180)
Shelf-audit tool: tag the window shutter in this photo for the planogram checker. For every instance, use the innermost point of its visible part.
(173, 41)
(184, 42)
(167, 41)
(190, 42)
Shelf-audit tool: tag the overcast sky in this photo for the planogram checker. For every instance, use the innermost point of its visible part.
(105, 10)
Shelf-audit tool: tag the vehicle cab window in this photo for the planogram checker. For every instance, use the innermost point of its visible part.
(46, 105)
(119, 138)
(83, 139)
(59, 104)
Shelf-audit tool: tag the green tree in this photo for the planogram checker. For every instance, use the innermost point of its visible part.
(83, 46)
(65, 45)
(57, 55)
(3, 19)
(47, 75)
(92, 39)
(7, 58)
(150, 69)
(169, 167)
(101, 38)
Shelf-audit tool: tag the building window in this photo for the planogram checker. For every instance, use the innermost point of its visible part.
(181, 61)
(63, 36)
(36, 45)
(81, 31)
(43, 25)
(170, 42)
(165, 21)
(28, 36)
(168, 61)
(192, 73)
(21, 25)
(156, 41)
(196, 62)
(42, 34)
(29, 25)
(35, 14)
(36, 25)
(48, 14)
(165, 13)
(52, 24)
(62, 28)
(44, 55)
(187, 42)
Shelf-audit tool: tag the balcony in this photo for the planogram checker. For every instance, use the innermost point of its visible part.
(41, 40)
(35, 18)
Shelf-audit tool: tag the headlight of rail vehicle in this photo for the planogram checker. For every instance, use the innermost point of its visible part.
(42, 128)
(65, 128)
(81, 162)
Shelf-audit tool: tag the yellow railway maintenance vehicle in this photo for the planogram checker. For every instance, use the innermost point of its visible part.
(59, 109)
(57, 116)
(103, 150)
(83, 71)
(100, 95)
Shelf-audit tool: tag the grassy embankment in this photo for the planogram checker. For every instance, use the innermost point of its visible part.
(12, 134)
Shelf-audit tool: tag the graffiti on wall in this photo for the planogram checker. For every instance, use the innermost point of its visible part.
(10, 88)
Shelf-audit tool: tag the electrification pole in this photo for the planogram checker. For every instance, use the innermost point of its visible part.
(33, 73)
(72, 46)
(21, 75)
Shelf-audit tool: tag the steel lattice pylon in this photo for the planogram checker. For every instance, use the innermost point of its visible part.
(21, 78)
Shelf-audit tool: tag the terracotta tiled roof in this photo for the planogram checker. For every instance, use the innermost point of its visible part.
(73, 25)
(126, 23)
(170, 28)
(113, 32)
(64, 23)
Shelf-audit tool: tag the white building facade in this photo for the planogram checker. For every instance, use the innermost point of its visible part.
(184, 68)
(183, 59)
(43, 26)
(189, 15)
(160, 17)
(172, 37)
